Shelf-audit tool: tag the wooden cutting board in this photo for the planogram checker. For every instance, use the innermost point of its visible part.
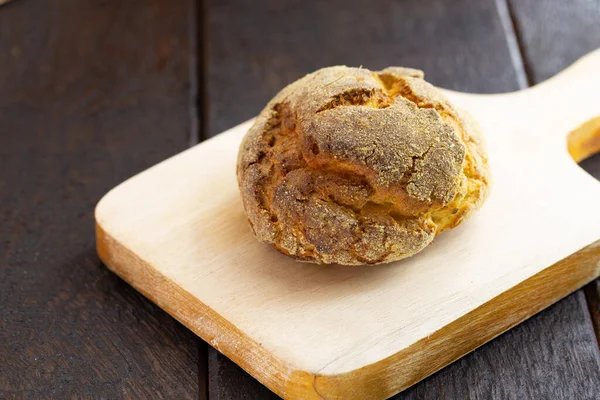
(178, 234)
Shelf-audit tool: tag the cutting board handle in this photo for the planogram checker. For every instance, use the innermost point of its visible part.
(583, 141)
(564, 108)
(578, 86)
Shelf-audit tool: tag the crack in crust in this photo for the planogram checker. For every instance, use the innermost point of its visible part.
(375, 98)
(359, 167)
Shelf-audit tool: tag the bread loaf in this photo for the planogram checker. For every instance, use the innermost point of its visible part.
(351, 166)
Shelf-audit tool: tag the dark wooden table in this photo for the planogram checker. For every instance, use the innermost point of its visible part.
(92, 92)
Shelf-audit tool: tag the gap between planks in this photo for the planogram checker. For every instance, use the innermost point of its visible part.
(197, 103)
(513, 41)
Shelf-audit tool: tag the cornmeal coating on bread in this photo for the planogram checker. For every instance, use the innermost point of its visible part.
(351, 166)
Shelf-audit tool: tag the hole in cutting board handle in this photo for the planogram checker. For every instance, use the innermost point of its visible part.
(583, 144)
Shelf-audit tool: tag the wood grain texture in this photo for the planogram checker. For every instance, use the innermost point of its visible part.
(229, 381)
(90, 93)
(249, 64)
(592, 294)
(553, 34)
(460, 45)
(592, 165)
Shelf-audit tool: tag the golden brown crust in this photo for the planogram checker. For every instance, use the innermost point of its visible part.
(351, 166)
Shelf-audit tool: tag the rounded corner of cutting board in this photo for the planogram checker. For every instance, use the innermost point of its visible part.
(102, 236)
(101, 211)
(102, 247)
(100, 205)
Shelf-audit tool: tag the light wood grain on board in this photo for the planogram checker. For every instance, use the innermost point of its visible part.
(367, 332)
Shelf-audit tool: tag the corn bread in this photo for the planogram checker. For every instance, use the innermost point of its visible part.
(351, 166)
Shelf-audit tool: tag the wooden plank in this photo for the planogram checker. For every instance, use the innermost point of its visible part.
(592, 295)
(273, 44)
(553, 35)
(592, 291)
(254, 50)
(90, 93)
(228, 381)
(592, 165)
